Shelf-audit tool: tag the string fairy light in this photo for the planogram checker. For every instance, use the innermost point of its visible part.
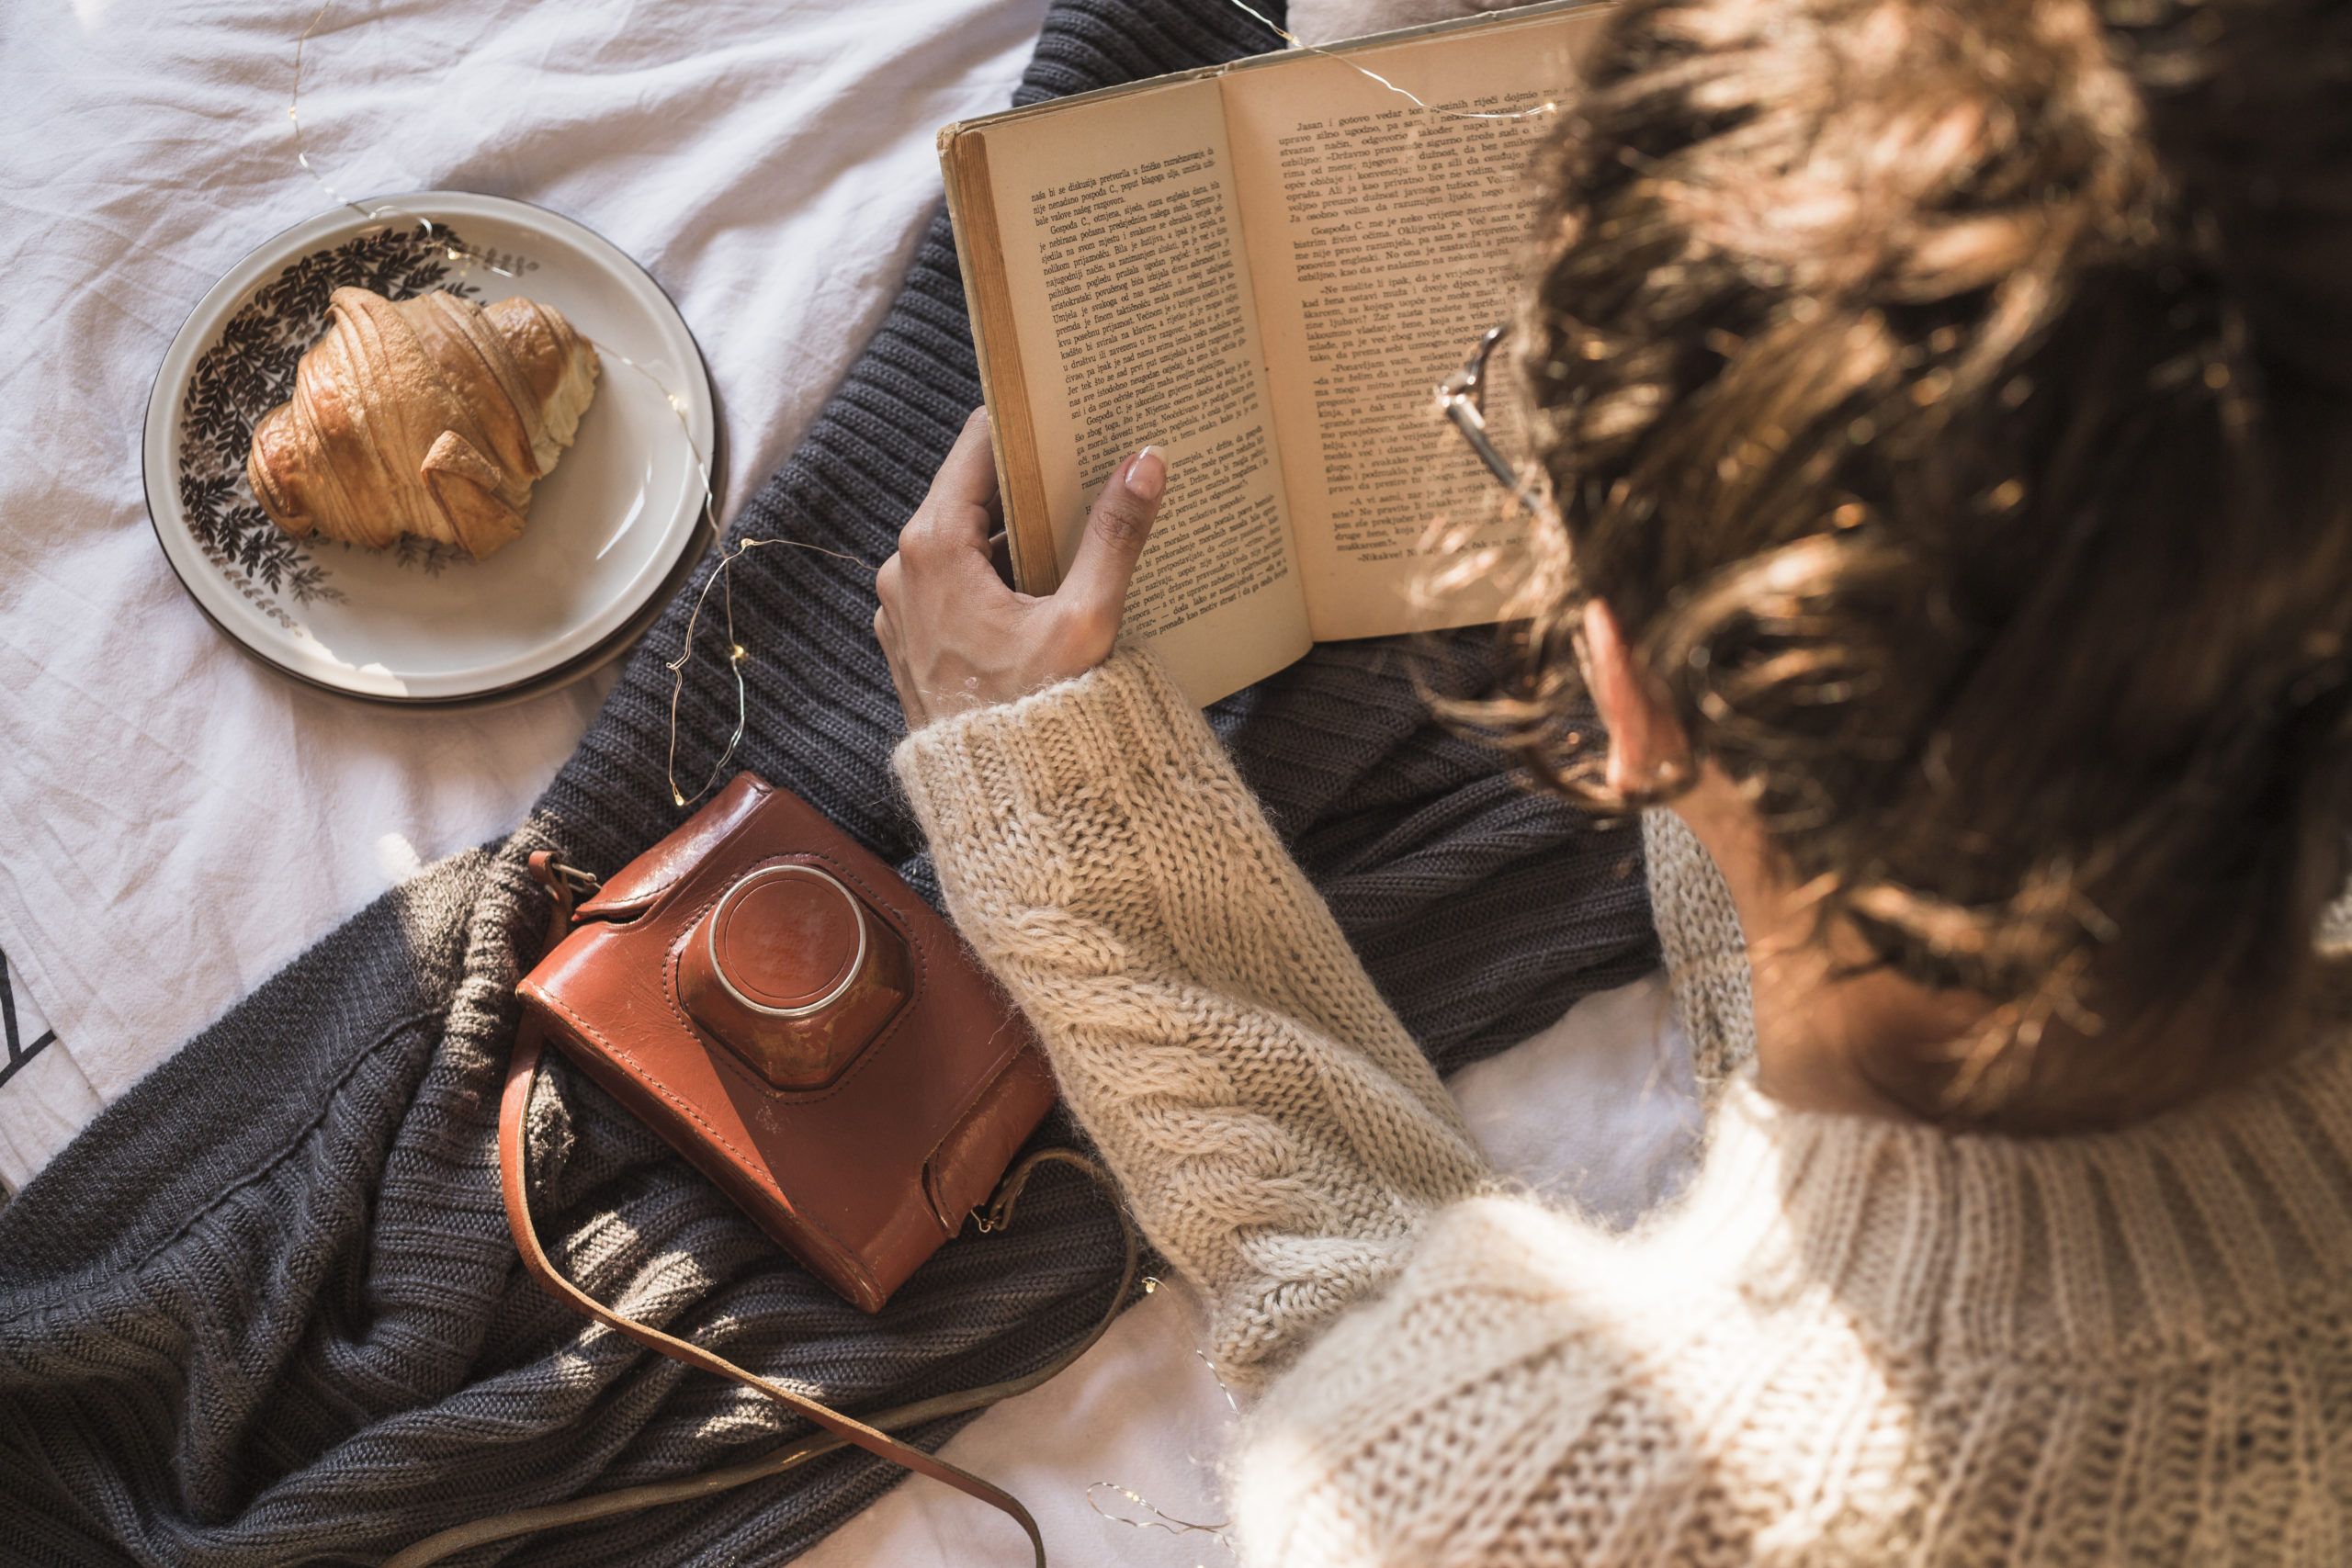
(1160, 1519)
(466, 260)
(736, 654)
(1229, 1402)
(1292, 39)
(449, 246)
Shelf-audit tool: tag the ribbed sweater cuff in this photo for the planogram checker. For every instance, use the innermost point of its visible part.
(1123, 721)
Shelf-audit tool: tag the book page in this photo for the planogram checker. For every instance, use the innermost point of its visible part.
(1135, 322)
(1383, 239)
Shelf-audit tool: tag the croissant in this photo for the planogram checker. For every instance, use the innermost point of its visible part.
(433, 416)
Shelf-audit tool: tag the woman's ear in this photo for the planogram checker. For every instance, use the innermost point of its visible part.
(1646, 746)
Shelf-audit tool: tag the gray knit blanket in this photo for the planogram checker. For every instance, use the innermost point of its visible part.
(265, 1309)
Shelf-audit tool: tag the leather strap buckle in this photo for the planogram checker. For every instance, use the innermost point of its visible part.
(583, 884)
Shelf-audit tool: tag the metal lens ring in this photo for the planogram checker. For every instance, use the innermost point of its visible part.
(849, 972)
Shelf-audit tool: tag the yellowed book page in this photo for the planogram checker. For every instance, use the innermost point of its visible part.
(1382, 239)
(1122, 252)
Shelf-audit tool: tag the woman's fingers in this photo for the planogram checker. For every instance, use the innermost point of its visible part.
(1096, 589)
(968, 472)
(959, 511)
(956, 637)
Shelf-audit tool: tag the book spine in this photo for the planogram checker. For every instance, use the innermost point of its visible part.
(979, 253)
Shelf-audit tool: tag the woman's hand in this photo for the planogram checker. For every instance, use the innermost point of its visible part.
(956, 638)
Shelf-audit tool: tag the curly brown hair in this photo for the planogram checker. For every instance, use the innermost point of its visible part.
(1953, 404)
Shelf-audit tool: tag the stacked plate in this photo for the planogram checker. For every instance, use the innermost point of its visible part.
(613, 531)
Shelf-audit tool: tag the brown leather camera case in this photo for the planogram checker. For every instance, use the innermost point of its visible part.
(784, 1009)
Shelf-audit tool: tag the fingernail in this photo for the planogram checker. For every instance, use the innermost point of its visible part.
(1147, 475)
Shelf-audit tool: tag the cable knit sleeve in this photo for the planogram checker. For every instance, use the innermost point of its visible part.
(1279, 1135)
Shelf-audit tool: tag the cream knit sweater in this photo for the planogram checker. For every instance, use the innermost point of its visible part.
(1853, 1340)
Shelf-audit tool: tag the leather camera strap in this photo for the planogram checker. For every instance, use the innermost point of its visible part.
(835, 1430)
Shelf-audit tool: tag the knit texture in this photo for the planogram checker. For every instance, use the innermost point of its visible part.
(1854, 1341)
(265, 1309)
(1705, 952)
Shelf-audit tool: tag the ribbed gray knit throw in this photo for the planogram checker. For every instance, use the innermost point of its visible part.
(266, 1310)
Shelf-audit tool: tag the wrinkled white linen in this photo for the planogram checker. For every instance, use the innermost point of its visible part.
(176, 821)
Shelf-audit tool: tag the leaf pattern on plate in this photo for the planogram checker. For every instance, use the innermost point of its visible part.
(250, 370)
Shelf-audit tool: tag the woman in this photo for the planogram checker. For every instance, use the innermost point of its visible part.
(1946, 412)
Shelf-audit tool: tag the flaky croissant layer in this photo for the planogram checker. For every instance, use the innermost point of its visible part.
(431, 416)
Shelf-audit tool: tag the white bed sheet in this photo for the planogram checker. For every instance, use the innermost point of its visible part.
(176, 822)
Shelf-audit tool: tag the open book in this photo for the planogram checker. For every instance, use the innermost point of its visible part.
(1265, 268)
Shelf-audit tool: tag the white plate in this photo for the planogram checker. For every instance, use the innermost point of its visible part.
(608, 530)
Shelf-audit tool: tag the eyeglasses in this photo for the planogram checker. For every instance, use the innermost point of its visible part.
(1463, 395)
